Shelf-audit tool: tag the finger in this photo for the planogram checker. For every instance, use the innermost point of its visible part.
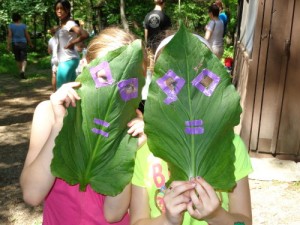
(179, 208)
(207, 187)
(74, 84)
(72, 99)
(193, 212)
(179, 183)
(201, 192)
(138, 131)
(139, 117)
(180, 187)
(67, 102)
(196, 198)
(74, 94)
(135, 126)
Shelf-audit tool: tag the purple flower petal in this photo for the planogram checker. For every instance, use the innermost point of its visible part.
(194, 127)
(171, 84)
(101, 75)
(207, 90)
(128, 89)
(100, 132)
(194, 130)
(101, 122)
(194, 123)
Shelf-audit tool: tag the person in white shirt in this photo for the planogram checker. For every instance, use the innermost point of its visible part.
(214, 31)
(52, 50)
(68, 35)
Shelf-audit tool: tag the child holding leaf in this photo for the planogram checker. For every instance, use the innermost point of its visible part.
(81, 153)
(193, 169)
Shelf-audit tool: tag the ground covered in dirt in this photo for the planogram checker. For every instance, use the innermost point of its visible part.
(273, 202)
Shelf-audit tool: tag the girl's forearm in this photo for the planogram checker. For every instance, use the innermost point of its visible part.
(222, 217)
(116, 207)
(36, 179)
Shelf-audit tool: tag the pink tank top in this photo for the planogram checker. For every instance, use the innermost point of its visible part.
(66, 205)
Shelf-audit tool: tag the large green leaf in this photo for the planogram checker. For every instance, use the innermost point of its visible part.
(83, 154)
(187, 150)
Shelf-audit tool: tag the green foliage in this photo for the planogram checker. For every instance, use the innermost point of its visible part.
(40, 16)
(193, 14)
(228, 51)
(41, 61)
(8, 64)
(230, 7)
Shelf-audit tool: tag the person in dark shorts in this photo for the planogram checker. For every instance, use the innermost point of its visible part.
(18, 37)
(155, 22)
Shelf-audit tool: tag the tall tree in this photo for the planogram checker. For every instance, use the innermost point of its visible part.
(123, 16)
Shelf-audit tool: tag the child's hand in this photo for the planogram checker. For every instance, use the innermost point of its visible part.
(136, 127)
(63, 98)
(205, 202)
(176, 200)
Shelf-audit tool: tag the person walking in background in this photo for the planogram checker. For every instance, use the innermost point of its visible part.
(156, 22)
(214, 31)
(52, 50)
(68, 35)
(18, 37)
(222, 15)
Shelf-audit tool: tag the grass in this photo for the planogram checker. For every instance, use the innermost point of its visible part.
(38, 68)
(37, 65)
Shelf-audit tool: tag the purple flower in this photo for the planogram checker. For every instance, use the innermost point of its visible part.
(206, 82)
(171, 84)
(101, 75)
(194, 127)
(102, 123)
(128, 89)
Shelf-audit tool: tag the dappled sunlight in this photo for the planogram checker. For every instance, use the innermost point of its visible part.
(15, 210)
(18, 100)
(7, 166)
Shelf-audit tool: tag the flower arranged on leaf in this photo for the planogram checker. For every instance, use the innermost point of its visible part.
(171, 84)
(101, 75)
(99, 151)
(206, 82)
(194, 127)
(195, 133)
(128, 89)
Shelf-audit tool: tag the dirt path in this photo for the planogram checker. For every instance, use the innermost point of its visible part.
(18, 99)
(273, 203)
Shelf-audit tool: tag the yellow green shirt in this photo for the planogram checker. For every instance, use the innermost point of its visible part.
(152, 173)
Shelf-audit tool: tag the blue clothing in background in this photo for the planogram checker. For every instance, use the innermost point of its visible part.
(18, 31)
(223, 17)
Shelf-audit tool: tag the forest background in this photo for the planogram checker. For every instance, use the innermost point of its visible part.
(95, 15)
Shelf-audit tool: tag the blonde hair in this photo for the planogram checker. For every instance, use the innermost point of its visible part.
(109, 39)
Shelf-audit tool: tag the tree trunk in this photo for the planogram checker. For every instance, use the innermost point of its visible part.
(123, 16)
(34, 32)
(93, 17)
